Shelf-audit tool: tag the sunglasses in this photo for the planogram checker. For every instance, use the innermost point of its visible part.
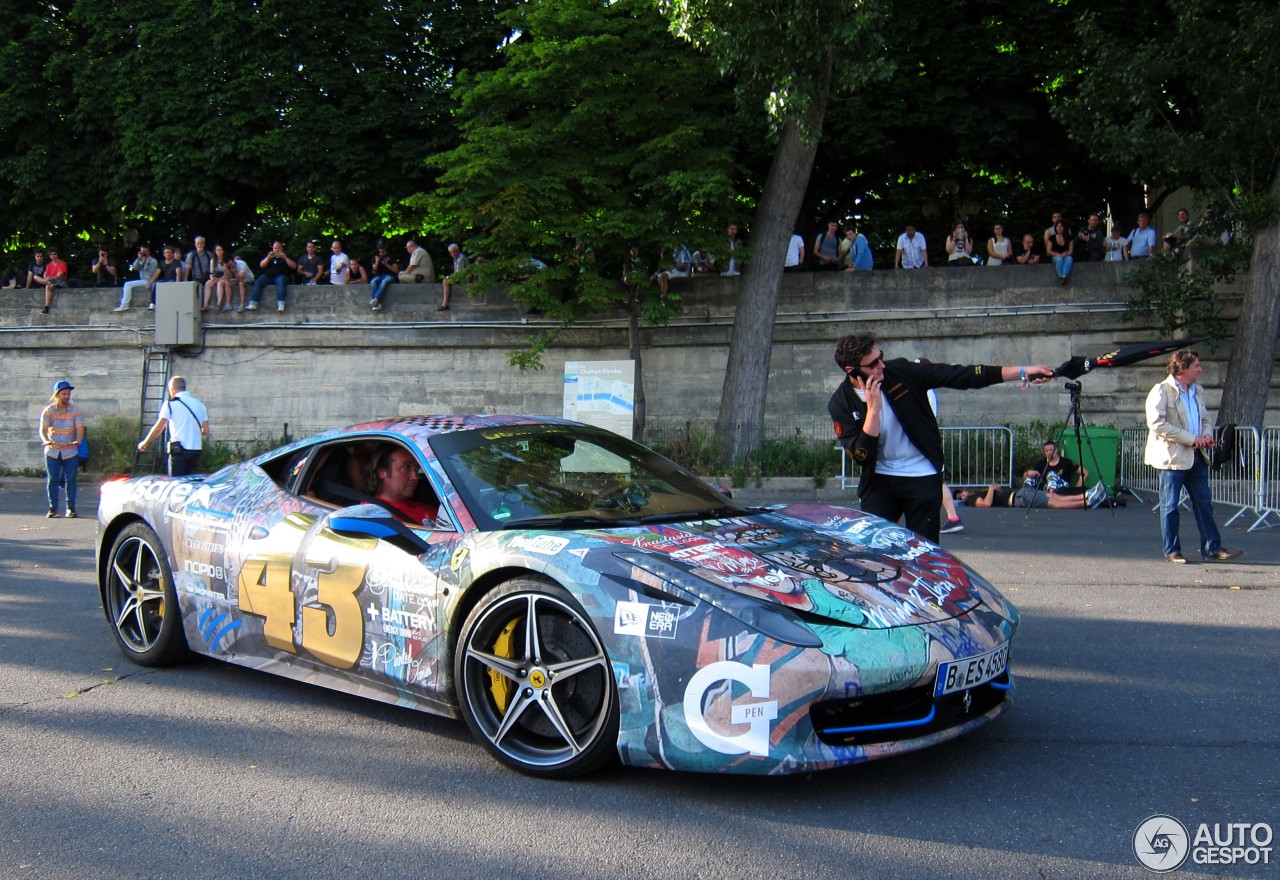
(879, 360)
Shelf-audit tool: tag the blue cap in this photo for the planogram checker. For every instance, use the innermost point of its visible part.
(63, 385)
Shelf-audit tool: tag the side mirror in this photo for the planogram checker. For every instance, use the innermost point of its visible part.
(383, 527)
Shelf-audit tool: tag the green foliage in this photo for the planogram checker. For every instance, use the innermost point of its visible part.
(186, 116)
(1184, 95)
(600, 131)
(787, 58)
(1183, 297)
(696, 449)
(961, 130)
(219, 454)
(113, 442)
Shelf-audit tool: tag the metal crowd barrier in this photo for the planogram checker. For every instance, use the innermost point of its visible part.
(975, 456)
(1250, 482)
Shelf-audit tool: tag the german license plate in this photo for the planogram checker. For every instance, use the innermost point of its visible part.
(960, 675)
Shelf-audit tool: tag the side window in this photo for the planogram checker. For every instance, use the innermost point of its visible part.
(284, 469)
(336, 475)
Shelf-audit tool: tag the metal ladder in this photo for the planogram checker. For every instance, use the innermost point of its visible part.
(155, 390)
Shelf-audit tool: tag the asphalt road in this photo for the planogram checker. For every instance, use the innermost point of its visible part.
(1144, 688)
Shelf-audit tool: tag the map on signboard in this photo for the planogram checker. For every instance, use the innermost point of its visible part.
(601, 393)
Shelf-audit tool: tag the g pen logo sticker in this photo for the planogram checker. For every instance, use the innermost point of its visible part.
(757, 716)
(1161, 843)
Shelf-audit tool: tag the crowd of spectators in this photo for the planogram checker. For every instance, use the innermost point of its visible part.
(225, 279)
(1059, 243)
(230, 282)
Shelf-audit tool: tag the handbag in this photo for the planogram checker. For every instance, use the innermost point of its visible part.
(1224, 445)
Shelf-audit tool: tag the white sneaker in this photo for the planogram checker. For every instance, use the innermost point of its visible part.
(151, 307)
(279, 307)
(120, 309)
(251, 307)
(1096, 495)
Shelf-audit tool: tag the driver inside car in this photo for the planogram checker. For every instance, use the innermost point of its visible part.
(393, 479)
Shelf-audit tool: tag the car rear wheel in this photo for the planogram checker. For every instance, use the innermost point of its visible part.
(140, 601)
(534, 682)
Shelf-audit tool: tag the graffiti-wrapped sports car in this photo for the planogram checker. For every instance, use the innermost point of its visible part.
(573, 596)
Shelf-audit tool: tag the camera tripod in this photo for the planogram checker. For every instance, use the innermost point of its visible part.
(1075, 422)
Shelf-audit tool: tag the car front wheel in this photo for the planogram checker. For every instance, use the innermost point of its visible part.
(140, 601)
(534, 682)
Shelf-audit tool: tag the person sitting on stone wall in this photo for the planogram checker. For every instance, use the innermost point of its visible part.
(104, 269)
(277, 269)
(383, 272)
(420, 269)
(459, 263)
(682, 268)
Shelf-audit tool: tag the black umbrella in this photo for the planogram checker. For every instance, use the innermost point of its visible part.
(1076, 367)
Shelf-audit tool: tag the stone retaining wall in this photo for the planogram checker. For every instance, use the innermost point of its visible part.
(328, 360)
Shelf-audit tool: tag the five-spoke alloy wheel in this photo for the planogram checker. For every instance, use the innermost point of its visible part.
(534, 682)
(140, 601)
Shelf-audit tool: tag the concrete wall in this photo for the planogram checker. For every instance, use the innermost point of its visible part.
(330, 361)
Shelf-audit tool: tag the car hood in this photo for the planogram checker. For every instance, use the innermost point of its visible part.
(831, 563)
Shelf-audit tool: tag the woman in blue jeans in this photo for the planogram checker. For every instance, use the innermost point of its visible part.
(1062, 248)
(61, 430)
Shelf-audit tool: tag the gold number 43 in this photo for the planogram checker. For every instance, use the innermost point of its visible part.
(332, 628)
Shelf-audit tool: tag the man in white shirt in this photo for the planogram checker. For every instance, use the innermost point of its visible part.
(795, 254)
(188, 424)
(339, 265)
(911, 253)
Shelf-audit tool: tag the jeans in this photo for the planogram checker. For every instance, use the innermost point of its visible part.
(260, 283)
(126, 295)
(379, 283)
(1063, 265)
(1196, 482)
(61, 471)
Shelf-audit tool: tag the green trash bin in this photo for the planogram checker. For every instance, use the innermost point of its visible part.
(1105, 443)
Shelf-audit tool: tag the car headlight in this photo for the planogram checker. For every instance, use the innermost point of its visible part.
(774, 621)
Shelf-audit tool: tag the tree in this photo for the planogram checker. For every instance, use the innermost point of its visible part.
(1189, 95)
(961, 129)
(599, 131)
(202, 116)
(789, 59)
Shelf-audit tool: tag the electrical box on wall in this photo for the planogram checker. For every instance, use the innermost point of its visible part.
(177, 312)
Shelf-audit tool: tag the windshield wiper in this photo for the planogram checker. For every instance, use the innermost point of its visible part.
(572, 521)
(722, 512)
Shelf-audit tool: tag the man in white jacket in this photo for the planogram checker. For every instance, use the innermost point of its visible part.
(1179, 445)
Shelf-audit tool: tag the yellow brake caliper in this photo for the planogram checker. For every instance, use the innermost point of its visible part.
(504, 646)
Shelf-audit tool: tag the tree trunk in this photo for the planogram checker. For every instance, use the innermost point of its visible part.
(1253, 354)
(633, 346)
(740, 424)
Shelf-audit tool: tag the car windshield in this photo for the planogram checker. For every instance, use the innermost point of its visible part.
(569, 476)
